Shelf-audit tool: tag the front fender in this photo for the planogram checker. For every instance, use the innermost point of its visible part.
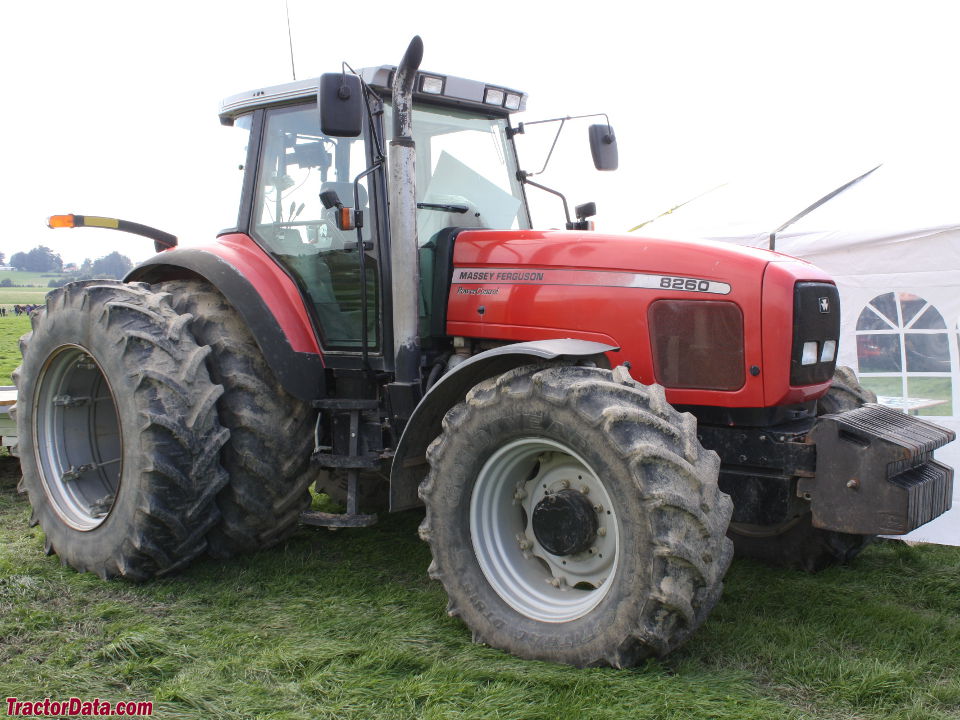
(410, 462)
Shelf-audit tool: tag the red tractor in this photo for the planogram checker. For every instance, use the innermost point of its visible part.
(593, 422)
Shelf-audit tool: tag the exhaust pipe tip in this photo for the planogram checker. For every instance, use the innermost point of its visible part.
(413, 56)
(403, 81)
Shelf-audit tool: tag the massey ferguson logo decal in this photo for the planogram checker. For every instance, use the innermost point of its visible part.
(595, 278)
(824, 304)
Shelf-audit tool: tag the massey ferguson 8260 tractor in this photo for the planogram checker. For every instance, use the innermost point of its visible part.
(594, 422)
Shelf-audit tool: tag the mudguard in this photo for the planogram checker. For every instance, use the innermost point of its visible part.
(263, 294)
(410, 462)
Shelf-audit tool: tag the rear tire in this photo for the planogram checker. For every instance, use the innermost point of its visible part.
(271, 432)
(797, 544)
(118, 431)
(640, 564)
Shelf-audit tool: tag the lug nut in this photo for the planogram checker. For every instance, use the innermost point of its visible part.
(598, 508)
(565, 484)
(602, 532)
(585, 489)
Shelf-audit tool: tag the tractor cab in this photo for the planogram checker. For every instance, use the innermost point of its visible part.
(467, 176)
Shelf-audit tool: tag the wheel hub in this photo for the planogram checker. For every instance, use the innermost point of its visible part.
(540, 477)
(565, 523)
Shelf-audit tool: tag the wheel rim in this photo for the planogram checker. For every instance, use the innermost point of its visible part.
(534, 582)
(77, 438)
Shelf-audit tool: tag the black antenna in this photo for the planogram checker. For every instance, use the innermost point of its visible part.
(290, 40)
(818, 203)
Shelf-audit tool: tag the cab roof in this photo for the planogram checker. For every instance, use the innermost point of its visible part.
(430, 87)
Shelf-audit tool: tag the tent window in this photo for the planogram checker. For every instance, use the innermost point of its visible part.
(903, 350)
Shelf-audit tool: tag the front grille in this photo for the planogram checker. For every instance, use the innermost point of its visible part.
(816, 318)
(697, 344)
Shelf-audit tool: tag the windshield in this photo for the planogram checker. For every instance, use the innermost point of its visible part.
(466, 171)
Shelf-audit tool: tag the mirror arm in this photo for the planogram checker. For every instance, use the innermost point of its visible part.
(550, 154)
(524, 178)
(361, 257)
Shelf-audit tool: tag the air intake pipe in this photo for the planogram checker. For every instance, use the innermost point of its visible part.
(403, 221)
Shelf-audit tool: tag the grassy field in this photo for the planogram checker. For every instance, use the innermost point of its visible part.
(11, 328)
(30, 288)
(22, 296)
(346, 624)
(935, 388)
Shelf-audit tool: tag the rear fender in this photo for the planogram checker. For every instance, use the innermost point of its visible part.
(410, 462)
(265, 296)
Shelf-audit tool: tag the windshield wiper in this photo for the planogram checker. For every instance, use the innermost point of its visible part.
(442, 207)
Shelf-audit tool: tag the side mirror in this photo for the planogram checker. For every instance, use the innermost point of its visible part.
(587, 210)
(341, 105)
(603, 145)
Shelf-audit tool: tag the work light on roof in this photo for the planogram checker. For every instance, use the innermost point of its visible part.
(494, 96)
(431, 85)
(512, 102)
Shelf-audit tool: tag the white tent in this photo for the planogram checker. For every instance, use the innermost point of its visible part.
(894, 252)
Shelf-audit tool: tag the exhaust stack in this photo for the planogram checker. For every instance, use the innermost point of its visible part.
(403, 222)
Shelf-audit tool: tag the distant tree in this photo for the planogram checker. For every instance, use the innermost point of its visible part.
(3, 256)
(40, 259)
(87, 267)
(113, 265)
(6, 282)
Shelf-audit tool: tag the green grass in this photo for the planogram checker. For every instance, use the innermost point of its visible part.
(22, 277)
(936, 388)
(22, 296)
(11, 328)
(30, 288)
(346, 624)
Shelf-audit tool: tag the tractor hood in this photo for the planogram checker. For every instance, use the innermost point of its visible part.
(582, 250)
(515, 285)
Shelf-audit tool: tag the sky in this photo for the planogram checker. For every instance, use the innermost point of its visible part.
(110, 108)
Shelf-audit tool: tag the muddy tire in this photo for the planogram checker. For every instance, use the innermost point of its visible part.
(845, 393)
(118, 431)
(271, 432)
(574, 517)
(797, 544)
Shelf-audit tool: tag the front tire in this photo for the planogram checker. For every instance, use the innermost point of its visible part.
(574, 517)
(118, 431)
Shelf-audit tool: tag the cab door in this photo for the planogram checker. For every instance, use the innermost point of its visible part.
(298, 162)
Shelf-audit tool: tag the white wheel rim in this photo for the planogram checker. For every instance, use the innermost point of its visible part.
(76, 437)
(535, 583)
